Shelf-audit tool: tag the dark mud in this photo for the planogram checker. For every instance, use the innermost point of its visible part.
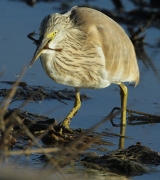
(18, 121)
(129, 161)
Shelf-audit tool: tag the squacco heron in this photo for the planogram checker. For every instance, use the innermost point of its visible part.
(84, 48)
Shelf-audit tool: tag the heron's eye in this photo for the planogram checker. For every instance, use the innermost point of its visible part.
(55, 32)
(52, 35)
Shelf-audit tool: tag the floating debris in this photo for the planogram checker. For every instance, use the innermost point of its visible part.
(51, 132)
(36, 93)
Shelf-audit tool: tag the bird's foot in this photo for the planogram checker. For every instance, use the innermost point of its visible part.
(65, 125)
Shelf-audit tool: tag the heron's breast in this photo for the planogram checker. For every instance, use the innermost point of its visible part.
(58, 71)
(47, 62)
(83, 71)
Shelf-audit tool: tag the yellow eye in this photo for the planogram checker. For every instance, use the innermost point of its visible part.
(52, 35)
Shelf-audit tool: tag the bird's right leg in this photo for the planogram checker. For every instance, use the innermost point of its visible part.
(77, 105)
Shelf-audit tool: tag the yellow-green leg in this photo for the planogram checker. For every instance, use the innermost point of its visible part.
(122, 137)
(77, 105)
(124, 95)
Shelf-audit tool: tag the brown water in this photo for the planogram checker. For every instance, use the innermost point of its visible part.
(16, 50)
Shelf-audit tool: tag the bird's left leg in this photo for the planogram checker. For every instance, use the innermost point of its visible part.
(124, 95)
(77, 105)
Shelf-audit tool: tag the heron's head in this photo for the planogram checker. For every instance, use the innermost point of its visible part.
(52, 30)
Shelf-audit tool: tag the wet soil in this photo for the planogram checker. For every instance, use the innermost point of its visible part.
(129, 161)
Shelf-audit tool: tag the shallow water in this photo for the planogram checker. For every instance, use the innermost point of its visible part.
(16, 50)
